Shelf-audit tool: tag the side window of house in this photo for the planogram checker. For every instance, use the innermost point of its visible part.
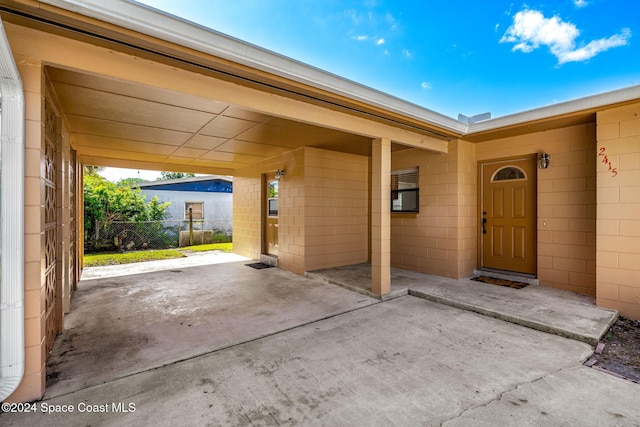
(197, 210)
(405, 190)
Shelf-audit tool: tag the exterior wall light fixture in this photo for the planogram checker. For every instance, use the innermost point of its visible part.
(543, 161)
(279, 174)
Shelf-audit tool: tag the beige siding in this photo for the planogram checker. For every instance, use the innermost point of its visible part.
(618, 228)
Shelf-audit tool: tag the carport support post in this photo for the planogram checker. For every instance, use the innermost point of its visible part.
(381, 216)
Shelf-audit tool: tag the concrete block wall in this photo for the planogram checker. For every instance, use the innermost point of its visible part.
(467, 208)
(323, 218)
(33, 382)
(66, 215)
(618, 198)
(247, 205)
(566, 202)
(336, 205)
(34, 84)
(440, 239)
(292, 215)
(246, 213)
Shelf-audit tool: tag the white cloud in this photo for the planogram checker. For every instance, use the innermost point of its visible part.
(353, 16)
(530, 30)
(426, 85)
(368, 25)
(391, 20)
(580, 3)
(407, 54)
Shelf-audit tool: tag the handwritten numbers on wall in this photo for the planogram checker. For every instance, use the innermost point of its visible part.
(605, 159)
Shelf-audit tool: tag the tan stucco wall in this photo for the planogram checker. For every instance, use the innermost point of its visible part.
(566, 202)
(618, 196)
(323, 218)
(441, 239)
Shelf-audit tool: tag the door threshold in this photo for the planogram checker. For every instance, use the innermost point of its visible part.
(508, 275)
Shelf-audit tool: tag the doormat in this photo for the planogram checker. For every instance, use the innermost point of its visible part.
(259, 265)
(500, 282)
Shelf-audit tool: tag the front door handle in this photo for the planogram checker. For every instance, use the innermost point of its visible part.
(484, 222)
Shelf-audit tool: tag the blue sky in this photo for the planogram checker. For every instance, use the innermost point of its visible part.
(452, 57)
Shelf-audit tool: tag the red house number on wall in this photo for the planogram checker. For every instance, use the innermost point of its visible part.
(606, 161)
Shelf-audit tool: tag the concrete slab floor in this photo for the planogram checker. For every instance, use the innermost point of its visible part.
(402, 362)
(121, 325)
(546, 309)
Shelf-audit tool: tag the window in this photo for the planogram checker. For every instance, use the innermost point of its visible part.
(405, 191)
(509, 173)
(272, 200)
(197, 210)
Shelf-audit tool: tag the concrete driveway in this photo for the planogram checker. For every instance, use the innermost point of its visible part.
(403, 362)
(120, 325)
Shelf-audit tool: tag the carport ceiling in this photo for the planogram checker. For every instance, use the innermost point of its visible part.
(119, 123)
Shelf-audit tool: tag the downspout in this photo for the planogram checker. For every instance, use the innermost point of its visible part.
(12, 117)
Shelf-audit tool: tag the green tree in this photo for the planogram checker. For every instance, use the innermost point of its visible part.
(92, 170)
(106, 201)
(130, 182)
(174, 175)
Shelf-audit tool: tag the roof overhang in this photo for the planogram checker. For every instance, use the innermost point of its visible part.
(563, 114)
(245, 59)
(153, 22)
(142, 30)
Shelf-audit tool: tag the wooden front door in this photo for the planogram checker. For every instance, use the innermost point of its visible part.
(271, 215)
(507, 220)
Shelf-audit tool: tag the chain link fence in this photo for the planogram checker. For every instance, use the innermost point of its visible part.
(165, 234)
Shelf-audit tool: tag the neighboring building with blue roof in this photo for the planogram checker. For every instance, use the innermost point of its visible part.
(209, 197)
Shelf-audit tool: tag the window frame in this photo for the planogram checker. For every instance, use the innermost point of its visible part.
(412, 177)
(496, 178)
(193, 211)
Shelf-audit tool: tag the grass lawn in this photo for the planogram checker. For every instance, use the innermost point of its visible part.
(224, 247)
(102, 259)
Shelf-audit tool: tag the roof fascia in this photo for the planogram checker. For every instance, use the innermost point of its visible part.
(185, 180)
(589, 103)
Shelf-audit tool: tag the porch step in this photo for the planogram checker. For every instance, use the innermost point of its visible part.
(513, 277)
(269, 260)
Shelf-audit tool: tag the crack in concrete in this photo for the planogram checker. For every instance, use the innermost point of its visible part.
(503, 393)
